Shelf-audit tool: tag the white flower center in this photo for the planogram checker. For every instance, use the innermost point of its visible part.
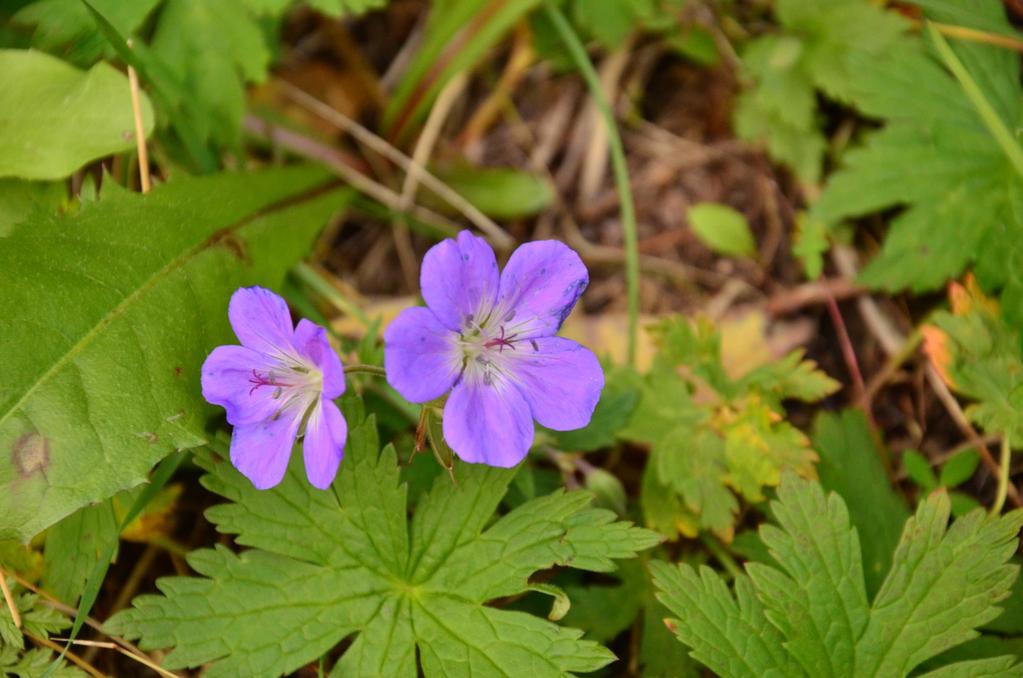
(490, 343)
(295, 382)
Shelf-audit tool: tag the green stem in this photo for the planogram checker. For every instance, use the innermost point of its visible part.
(721, 555)
(365, 369)
(987, 112)
(314, 280)
(621, 172)
(1003, 476)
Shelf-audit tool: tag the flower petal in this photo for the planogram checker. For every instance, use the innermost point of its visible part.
(459, 278)
(540, 285)
(560, 380)
(311, 342)
(420, 355)
(324, 443)
(488, 424)
(261, 320)
(226, 381)
(261, 450)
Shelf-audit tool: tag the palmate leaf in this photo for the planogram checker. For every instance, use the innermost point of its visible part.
(329, 564)
(810, 615)
(104, 335)
(816, 51)
(935, 157)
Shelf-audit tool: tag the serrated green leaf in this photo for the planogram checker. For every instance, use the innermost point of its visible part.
(693, 463)
(818, 50)
(992, 667)
(850, 465)
(90, 311)
(213, 47)
(722, 228)
(983, 361)
(791, 377)
(935, 156)
(36, 662)
(21, 199)
(819, 604)
(402, 590)
(730, 635)
(56, 118)
(942, 586)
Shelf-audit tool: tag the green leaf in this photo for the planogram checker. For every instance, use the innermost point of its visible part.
(811, 244)
(791, 377)
(945, 583)
(722, 229)
(498, 192)
(92, 313)
(56, 118)
(850, 465)
(21, 199)
(213, 47)
(74, 546)
(617, 402)
(730, 635)
(818, 600)
(345, 7)
(959, 468)
(993, 667)
(918, 468)
(65, 27)
(603, 611)
(936, 157)
(980, 355)
(329, 564)
(818, 50)
(694, 465)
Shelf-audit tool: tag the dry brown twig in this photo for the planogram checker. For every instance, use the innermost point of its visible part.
(498, 237)
(892, 341)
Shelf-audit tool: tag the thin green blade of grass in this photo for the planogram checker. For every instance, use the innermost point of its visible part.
(985, 110)
(621, 172)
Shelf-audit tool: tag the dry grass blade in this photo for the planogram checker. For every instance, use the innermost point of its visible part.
(485, 224)
(145, 661)
(9, 599)
(310, 148)
(75, 659)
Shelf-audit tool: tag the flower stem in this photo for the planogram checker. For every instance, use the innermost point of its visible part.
(1003, 476)
(365, 369)
(721, 555)
(621, 172)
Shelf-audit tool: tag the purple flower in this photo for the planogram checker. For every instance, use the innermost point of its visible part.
(488, 337)
(279, 378)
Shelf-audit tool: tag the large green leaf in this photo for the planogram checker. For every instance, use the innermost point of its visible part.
(107, 318)
(326, 565)
(946, 581)
(55, 118)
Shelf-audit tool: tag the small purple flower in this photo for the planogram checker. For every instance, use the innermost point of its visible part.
(488, 337)
(279, 378)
